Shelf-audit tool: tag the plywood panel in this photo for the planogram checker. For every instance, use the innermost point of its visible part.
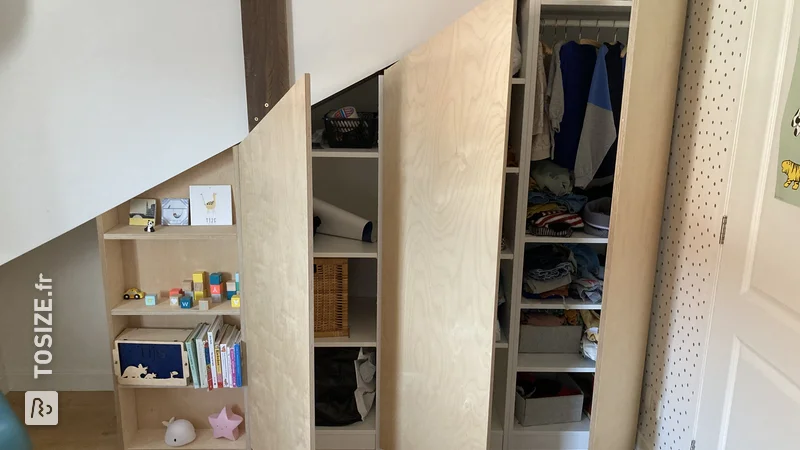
(276, 272)
(443, 149)
(645, 133)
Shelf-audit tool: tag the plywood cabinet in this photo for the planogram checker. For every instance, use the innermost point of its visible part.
(447, 188)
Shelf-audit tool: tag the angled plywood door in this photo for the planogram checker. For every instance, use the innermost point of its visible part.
(443, 138)
(276, 247)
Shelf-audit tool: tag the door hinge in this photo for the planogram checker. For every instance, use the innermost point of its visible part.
(691, 447)
(722, 229)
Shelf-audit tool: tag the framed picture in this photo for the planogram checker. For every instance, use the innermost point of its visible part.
(142, 211)
(174, 211)
(210, 205)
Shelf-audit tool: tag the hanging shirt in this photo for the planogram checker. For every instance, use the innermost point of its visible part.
(599, 131)
(577, 67)
(615, 68)
(540, 145)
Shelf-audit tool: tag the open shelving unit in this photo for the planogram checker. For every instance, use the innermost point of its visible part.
(530, 13)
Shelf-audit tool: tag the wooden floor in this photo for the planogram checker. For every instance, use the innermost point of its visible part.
(86, 420)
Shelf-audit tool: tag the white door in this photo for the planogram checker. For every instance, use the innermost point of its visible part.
(750, 398)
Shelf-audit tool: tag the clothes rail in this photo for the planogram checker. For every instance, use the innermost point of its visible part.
(585, 23)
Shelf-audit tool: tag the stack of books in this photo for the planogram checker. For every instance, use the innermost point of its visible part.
(215, 355)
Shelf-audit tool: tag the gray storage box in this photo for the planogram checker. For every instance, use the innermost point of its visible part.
(545, 411)
(559, 339)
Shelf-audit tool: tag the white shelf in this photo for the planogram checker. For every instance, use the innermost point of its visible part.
(360, 435)
(582, 426)
(590, 3)
(558, 303)
(345, 153)
(558, 435)
(171, 233)
(153, 439)
(512, 169)
(503, 342)
(335, 247)
(506, 254)
(554, 362)
(363, 323)
(578, 237)
(163, 308)
(516, 80)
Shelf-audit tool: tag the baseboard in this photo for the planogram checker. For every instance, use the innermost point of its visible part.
(61, 381)
(642, 443)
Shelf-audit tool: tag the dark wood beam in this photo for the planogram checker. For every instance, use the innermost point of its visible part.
(265, 34)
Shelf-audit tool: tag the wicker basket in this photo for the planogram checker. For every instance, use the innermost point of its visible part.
(330, 298)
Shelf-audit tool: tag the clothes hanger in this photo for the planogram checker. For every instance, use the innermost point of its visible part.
(592, 42)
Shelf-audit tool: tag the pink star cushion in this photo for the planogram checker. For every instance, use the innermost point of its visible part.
(225, 424)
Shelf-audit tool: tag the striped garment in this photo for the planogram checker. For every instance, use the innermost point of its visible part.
(547, 218)
(544, 231)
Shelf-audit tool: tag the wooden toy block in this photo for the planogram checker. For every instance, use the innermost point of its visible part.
(216, 298)
(215, 278)
(187, 285)
(236, 277)
(203, 305)
(230, 286)
(174, 301)
(236, 301)
(229, 294)
(150, 300)
(216, 289)
(199, 277)
(198, 286)
(197, 295)
(175, 292)
(186, 302)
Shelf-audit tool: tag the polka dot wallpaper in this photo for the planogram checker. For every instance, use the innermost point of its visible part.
(710, 82)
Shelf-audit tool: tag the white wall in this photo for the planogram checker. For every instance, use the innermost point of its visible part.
(102, 100)
(342, 42)
(81, 353)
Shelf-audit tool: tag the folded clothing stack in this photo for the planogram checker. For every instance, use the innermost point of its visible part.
(553, 210)
(587, 283)
(548, 271)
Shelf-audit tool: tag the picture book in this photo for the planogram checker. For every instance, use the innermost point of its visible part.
(210, 205)
(142, 210)
(174, 211)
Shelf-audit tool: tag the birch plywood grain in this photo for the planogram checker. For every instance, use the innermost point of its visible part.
(443, 148)
(644, 142)
(275, 194)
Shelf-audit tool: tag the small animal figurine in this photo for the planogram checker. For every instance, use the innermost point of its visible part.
(151, 226)
(134, 371)
(179, 432)
(225, 424)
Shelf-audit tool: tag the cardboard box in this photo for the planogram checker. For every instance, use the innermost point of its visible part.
(550, 410)
(559, 339)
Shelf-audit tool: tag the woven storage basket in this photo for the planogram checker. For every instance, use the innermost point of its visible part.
(330, 297)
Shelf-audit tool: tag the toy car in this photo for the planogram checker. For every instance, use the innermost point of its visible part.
(133, 293)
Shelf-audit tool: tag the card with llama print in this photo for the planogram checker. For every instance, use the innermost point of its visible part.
(210, 205)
